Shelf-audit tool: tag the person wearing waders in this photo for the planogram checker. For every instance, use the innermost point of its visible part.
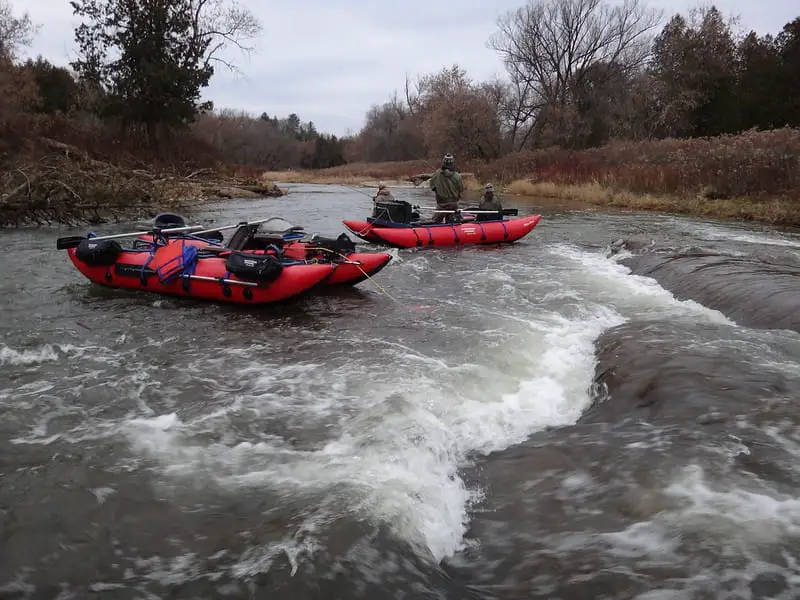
(446, 184)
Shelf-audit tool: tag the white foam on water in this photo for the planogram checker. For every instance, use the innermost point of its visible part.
(417, 263)
(662, 595)
(26, 394)
(642, 539)
(403, 433)
(396, 460)
(399, 436)
(397, 256)
(728, 520)
(12, 356)
(768, 238)
(752, 516)
(54, 352)
(633, 295)
(51, 409)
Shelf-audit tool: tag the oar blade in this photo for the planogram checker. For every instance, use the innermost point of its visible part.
(72, 241)
(510, 212)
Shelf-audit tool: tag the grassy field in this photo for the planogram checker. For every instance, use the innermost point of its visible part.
(753, 176)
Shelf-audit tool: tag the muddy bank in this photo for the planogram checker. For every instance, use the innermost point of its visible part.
(753, 291)
(60, 183)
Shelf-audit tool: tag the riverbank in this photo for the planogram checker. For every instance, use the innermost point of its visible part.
(772, 211)
(753, 176)
(55, 182)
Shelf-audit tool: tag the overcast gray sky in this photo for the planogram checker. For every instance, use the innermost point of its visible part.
(330, 60)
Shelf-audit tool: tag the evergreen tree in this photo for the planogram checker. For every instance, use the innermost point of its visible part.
(154, 57)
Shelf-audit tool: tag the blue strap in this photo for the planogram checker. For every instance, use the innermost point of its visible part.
(455, 234)
(278, 251)
(189, 236)
(153, 248)
(191, 267)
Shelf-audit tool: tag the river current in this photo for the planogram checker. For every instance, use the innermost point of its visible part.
(605, 409)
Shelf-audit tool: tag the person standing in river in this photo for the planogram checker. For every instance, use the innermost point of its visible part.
(447, 185)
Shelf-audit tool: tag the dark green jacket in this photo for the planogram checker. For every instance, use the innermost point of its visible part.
(493, 204)
(447, 185)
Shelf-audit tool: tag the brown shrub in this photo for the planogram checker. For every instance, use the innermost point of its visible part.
(750, 164)
(18, 93)
(106, 141)
(754, 163)
(383, 170)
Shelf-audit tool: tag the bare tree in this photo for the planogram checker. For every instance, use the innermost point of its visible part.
(414, 94)
(391, 132)
(248, 141)
(15, 32)
(218, 25)
(549, 45)
(516, 109)
(459, 116)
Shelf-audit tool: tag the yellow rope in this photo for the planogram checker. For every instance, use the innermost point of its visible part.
(358, 266)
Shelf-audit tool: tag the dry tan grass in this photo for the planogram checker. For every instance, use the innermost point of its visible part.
(310, 177)
(774, 210)
(354, 178)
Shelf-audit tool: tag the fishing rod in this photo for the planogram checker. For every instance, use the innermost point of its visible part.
(349, 187)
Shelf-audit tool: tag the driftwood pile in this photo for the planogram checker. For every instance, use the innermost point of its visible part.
(65, 185)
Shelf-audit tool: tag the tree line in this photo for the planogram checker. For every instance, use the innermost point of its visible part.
(582, 73)
(579, 74)
(136, 84)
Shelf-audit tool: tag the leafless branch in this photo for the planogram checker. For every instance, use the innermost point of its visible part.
(218, 26)
(549, 45)
(15, 32)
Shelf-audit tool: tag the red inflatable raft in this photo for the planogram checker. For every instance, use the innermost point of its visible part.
(179, 269)
(351, 267)
(405, 235)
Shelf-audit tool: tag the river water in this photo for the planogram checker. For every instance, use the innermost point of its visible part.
(542, 420)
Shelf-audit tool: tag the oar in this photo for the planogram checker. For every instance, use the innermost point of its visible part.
(512, 212)
(240, 224)
(218, 280)
(73, 241)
